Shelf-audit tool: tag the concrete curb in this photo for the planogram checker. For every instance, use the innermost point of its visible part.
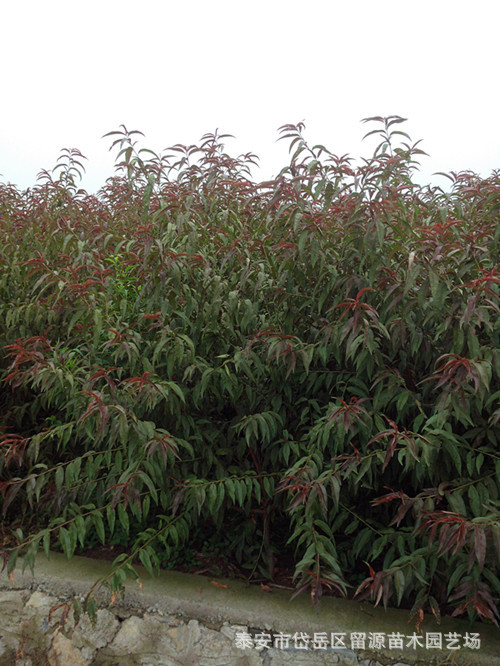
(190, 596)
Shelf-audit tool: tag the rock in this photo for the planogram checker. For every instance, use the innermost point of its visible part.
(230, 631)
(347, 659)
(302, 657)
(96, 635)
(22, 661)
(216, 649)
(64, 653)
(39, 605)
(185, 636)
(154, 641)
(41, 602)
(11, 601)
(24, 640)
(11, 612)
(129, 638)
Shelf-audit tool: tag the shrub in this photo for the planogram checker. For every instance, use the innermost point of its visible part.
(311, 362)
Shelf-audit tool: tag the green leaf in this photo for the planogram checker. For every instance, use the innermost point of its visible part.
(111, 518)
(453, 451)
(99, 527)
(352, 527)
(257, 490)
(399, 584)
(145, 559)
(98, 324)
(240, 491)
(66, 542)
(59, 478)
(475, 501)
(361, 540)
(177, 390)
(46, 544)
(456, 502)
(456, 575)
(152, 489)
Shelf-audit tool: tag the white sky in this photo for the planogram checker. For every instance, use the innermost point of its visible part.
(72, 71)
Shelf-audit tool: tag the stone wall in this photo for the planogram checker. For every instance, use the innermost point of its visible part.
(180, 619)
(29, 638)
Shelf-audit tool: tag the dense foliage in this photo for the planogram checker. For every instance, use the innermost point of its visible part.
(309, 364)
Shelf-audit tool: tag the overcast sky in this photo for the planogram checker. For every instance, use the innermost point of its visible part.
(72, 71)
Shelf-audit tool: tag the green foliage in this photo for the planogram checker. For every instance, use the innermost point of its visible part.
(309, 364)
